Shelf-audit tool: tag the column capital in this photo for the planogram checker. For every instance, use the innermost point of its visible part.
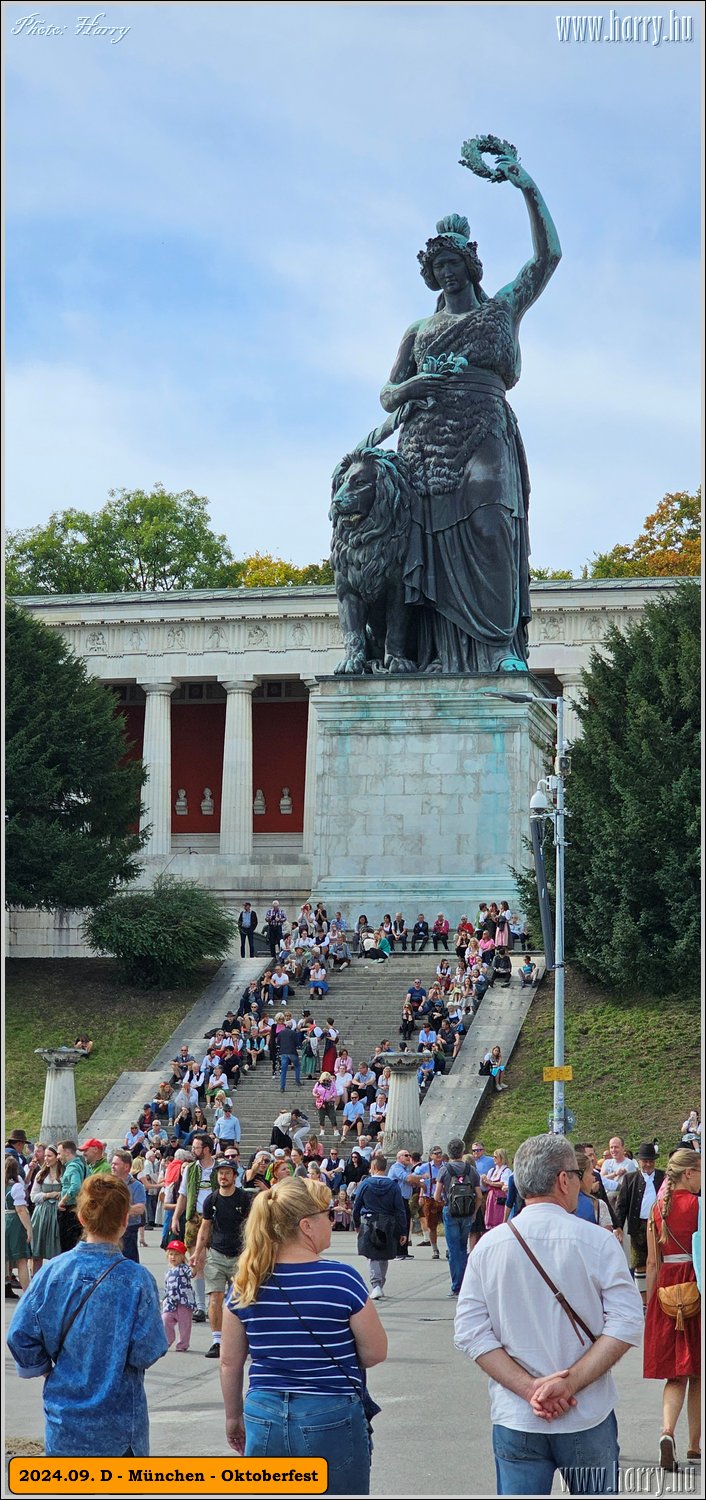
(311, 683)
(238, 684)
(158, 687)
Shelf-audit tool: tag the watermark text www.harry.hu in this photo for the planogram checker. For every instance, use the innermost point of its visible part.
(655, 30)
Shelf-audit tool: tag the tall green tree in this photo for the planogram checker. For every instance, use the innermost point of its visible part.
(137, 541)
(71, 797)
(632, 863)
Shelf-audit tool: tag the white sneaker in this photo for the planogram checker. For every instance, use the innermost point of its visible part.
(376, 1294)
(336, 1134)
(322, 1132)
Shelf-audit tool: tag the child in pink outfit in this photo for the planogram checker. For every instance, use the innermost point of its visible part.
(179, 1302)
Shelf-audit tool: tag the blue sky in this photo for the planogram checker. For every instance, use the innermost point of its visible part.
(211, 238)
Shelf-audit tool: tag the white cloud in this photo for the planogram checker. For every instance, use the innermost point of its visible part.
(212, 230)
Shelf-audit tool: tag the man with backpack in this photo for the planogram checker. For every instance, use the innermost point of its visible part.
(458, 1188)
(380, 1218)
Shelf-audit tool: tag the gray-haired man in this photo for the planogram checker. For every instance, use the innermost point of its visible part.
(552, 1394)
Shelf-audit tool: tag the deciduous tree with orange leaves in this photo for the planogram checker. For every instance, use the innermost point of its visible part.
(669, 546)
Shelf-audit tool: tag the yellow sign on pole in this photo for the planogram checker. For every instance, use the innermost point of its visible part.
(558, 1075)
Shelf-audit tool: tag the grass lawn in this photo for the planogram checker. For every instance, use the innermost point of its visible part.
(52, 1001)
(636, 1062)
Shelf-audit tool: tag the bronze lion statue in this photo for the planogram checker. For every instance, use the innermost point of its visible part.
(370, 512)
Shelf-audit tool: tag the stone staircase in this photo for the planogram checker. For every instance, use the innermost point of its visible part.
(366, 1004)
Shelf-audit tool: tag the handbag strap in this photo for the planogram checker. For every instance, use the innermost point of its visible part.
(657, 1242)
(358, 1389)
(572, 1315)
(65, 1331)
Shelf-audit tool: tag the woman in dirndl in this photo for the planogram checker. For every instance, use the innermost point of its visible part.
(672, 1352)
(45, 1195)
(18, 1228)
(497, 1182)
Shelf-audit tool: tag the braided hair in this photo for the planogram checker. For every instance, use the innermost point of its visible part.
(677, 1165)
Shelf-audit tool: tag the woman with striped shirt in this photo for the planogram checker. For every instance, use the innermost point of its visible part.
(310, 1330)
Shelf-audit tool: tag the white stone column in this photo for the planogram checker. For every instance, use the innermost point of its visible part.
(157, 756)
(59, 1113)
(403, 1121)
(312, 734)
(571, 692)
(237, 788)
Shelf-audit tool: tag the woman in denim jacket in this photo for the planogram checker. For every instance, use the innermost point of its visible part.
(94, 1369)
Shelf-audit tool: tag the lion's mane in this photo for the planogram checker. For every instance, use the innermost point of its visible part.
(366, 554)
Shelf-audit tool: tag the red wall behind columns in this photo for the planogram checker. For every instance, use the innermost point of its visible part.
(134, 716)
(279, 760)
(198, 732)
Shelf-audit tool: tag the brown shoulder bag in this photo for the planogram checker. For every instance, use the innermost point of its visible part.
(683, 1300)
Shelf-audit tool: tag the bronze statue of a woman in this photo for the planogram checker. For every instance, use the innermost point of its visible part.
(430, 548)
(467, 567)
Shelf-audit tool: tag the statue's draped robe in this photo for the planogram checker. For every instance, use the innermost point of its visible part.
(467, 564)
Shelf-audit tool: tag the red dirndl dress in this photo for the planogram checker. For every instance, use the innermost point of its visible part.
(669, 1354)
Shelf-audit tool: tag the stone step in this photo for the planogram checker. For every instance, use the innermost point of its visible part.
(365, 1002)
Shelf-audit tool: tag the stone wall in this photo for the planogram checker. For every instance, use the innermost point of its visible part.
(45, 934)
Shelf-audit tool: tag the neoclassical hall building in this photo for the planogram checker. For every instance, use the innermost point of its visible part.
(223, 695)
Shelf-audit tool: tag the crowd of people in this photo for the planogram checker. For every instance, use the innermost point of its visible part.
(235, 1224)
(242, 1236)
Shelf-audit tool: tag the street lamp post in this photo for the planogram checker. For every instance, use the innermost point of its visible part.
(540, 808)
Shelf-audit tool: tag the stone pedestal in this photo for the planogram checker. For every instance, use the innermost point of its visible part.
(422, 791)
(403, 1121)
(59, 1113)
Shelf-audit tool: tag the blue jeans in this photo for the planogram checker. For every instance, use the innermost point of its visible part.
(281, 1425)
(457, 1232)
(525, 1462)
(284, 1061)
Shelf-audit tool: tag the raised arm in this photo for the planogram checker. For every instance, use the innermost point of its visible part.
(532, 279)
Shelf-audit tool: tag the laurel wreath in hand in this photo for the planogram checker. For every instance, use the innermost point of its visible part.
(473, 151)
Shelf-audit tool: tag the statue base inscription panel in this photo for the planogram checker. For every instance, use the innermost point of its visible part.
(422, 791)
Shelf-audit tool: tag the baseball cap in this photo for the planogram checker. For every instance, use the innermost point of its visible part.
(93, 1142)
(177, 1245)
(226, 1162)
(279, 1153)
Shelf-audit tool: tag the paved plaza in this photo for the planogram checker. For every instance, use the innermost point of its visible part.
(433, 1436)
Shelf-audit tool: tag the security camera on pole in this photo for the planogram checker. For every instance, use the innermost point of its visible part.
(552, 806)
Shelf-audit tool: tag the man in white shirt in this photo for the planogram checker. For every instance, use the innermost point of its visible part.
(280, 984)
(551, 1391)
(616, 1167)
